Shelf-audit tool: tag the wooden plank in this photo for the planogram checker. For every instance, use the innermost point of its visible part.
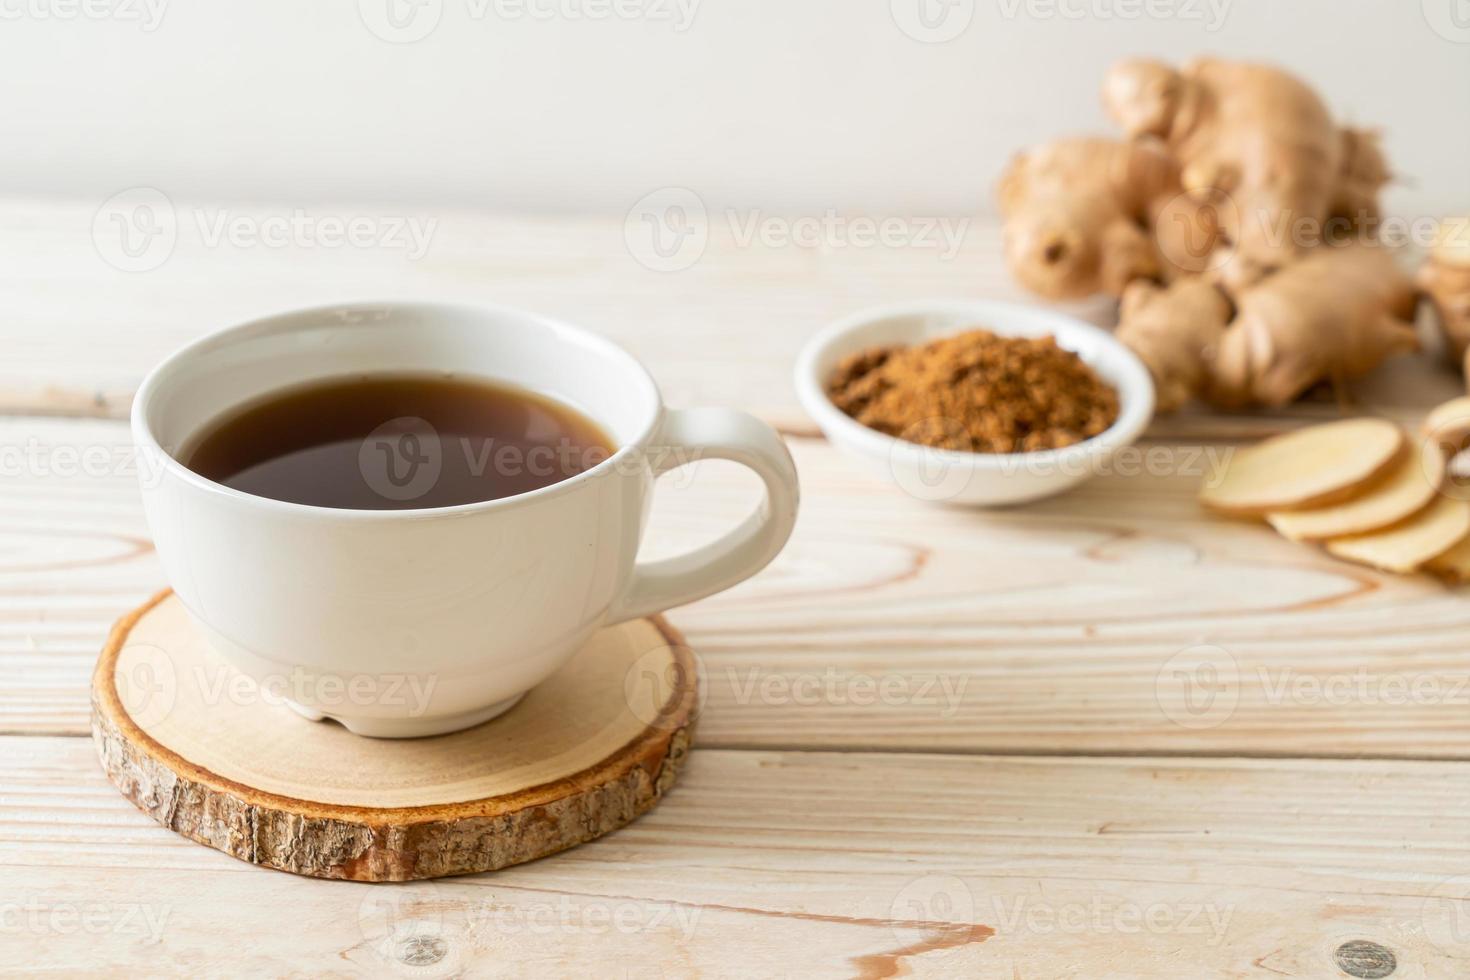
(778, 863)
(74, 551)
(724, 331)
(1091, 623)
(81, 333)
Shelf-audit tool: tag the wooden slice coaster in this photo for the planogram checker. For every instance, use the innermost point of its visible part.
(219, 759)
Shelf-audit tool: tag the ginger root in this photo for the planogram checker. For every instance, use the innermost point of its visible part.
(1445, 279)
(1078, 214)
(1236, 228)
(1335, 315)
(1364, 174)
(1176, 332)
(1255, 144)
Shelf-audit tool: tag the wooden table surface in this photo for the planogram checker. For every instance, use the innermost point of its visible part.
(1101, 736)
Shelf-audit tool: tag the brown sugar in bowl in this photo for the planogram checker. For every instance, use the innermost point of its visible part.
(946, 475)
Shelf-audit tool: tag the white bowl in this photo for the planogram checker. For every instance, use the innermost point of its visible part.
(979, 479)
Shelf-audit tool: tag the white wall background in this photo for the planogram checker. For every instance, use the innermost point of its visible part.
(783, 104)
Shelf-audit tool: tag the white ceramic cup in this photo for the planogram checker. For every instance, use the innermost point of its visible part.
(473, 604)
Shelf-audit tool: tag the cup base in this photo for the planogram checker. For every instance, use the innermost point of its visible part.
(411, 727)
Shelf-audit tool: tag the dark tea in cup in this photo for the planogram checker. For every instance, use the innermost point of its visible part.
(396, 442)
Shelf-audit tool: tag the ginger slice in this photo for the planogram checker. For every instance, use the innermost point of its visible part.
(1404, 491)
(1449, 425)
(1445, 280)
(1454, 565)
(1311, 467)
(1407, 546)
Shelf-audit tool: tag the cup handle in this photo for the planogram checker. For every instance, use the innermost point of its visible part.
(716, 433)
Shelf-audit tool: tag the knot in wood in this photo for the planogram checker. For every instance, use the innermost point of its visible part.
(1365, 959)
(422, 950)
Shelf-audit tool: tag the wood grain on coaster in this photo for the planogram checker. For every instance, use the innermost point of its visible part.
(218, 758)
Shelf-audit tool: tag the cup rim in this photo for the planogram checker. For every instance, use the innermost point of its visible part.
(1127, 374)
(279, 322)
